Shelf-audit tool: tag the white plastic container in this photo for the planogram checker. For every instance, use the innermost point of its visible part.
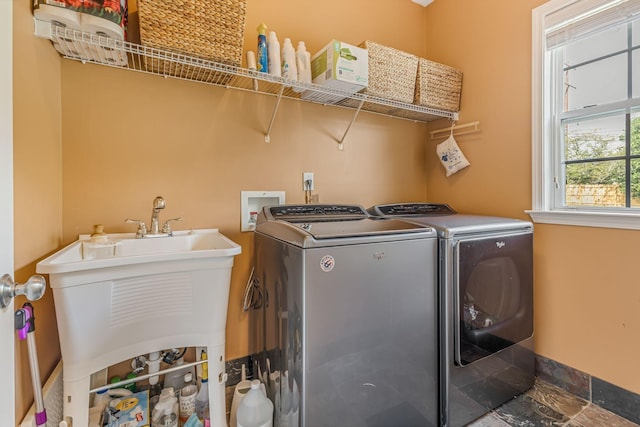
(175, 379)
(289, 68)
(273, 54)
(240, 391)
(99, 245)
(303, 63)
(187, 402)
(255, 410)
(96, 250)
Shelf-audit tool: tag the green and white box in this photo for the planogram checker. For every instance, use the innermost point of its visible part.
(340, 66)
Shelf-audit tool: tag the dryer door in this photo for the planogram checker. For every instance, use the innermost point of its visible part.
(493, 294)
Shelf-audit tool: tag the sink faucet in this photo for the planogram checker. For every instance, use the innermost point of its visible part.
(154, 231)
(158, 205)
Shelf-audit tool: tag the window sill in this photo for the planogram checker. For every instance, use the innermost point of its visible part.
(628, 221)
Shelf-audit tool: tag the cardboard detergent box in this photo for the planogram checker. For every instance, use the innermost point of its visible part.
(341, 66)
(129, 411)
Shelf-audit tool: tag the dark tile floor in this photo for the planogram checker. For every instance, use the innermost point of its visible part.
(547, 405)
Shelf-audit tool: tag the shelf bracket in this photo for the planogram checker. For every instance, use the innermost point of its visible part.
(267, 135)
(355, 115)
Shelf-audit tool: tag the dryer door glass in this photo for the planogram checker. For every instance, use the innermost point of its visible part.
(494, 295)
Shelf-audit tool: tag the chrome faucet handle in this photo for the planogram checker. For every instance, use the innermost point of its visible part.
(142, 227)
(166, 228)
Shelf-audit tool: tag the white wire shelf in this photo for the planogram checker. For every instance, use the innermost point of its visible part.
(95, 49)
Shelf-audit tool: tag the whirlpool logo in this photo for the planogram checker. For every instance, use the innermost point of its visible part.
(500, 244)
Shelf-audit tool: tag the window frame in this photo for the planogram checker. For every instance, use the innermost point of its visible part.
(546, 203)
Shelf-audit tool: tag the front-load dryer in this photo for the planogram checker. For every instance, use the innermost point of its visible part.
(485, 279)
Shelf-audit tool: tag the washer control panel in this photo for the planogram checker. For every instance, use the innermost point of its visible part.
(408, 209)
(295, 213)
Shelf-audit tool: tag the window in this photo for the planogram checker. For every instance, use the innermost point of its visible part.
(586, 113)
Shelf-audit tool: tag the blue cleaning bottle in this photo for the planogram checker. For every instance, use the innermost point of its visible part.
(263, 61)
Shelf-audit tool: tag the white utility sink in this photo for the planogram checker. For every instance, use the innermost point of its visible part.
(148, 294)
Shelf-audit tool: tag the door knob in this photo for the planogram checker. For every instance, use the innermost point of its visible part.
(33, 289)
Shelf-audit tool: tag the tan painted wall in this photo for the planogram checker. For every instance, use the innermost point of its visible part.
(37, 185)
(586, 295)
(128, 137)
(199, 146)
(120, 138)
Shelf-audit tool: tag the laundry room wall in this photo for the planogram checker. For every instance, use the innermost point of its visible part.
(96, 144)
(586, 295)
(128, 137)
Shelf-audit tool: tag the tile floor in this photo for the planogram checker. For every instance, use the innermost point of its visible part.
(547, 405)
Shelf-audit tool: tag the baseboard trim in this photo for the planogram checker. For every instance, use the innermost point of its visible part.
(52, 395)
(608, 396)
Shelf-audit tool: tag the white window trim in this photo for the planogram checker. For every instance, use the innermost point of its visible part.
(542, 162)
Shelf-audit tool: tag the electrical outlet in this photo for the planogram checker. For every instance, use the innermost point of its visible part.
(307, 177)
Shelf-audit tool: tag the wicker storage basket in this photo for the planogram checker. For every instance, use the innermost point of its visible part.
(392, 73)
(209, 29)
(438, 86)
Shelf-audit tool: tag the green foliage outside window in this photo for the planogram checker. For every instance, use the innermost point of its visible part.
(605, 168)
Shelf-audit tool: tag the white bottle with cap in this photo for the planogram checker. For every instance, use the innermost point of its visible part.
(289, 69)
(303, 63)
(241, 390)
(255, 409)
(273, 54)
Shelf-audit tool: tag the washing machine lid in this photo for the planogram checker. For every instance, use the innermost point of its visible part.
(317, 225)
(447, 222)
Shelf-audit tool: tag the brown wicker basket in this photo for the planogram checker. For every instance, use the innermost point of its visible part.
(438, 86)
(209, 29)
(392, 73)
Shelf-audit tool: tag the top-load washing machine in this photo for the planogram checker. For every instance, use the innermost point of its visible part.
(486, 307)
(350, 317)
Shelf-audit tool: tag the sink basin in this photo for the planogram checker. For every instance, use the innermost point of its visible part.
(194, 244)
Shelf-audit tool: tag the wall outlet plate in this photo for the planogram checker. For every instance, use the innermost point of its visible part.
(252, 202)
(307, 176)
